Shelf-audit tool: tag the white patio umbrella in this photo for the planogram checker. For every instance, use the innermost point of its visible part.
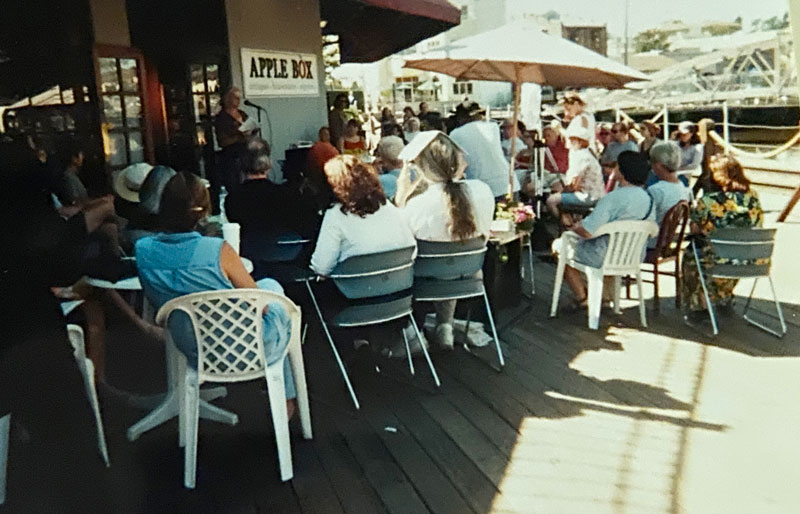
(519, 53)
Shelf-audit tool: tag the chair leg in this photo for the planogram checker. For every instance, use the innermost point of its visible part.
(299, 371)
(617, 294)
(777, 308)
(333, 347)
(5, 428)
(678, 280)
(656, 299)
(191, 405)
(627, 287)
(500, 358)
(280, 418)
(530, 266)
(91, 392)
(562, 264)
(702, 276)
(594, 279)
(408, 352)
(425, 351)
(642, 313)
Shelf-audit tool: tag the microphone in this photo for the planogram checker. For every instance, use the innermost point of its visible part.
(253, 105)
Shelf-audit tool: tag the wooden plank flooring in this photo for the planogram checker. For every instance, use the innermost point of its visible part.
(619, 420)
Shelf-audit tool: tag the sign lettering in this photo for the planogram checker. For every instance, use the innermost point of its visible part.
(271, 73)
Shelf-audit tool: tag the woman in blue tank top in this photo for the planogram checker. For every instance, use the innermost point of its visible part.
(180, 261)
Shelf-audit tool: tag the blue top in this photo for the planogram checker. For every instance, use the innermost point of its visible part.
(173, 265)
(623, 203)
(389, 183)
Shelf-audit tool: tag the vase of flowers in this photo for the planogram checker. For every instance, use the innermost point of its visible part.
(520, 214)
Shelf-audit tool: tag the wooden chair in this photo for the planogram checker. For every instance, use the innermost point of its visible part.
(669, 246)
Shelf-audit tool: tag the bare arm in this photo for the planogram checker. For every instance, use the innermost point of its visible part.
(232, 267)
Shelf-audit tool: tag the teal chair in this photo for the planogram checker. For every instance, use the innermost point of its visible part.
(378, 289)
(450, 271)
(742, 247)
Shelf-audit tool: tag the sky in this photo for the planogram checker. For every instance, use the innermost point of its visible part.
(651, 13)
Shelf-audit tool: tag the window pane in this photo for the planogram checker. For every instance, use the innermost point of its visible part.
(137, 149)
(115, 153)
(201, 136)
(112, 111)
(200, 109)
(130, 75)
(212, 78)
(133, 111)
(215, 105)
(198, 83)
(109, 82)
(68, 95)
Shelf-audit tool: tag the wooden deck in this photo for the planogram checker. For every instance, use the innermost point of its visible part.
(622, 420)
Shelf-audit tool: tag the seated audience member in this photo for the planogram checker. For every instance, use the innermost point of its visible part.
(68, 187)
(603, 136)
(480, 139)
(733, 204)
(408, 113)
(180, 261)
(620, 142)
(389, 164)
(441, 206)
(668, 191)
(267, 211)
(688, 139)
(144, 221)
(315, 183)
(40, 385)
(353, 142)
(361, 221)
(324, 135)
(411, 128)
(629, 201)
(388, 122)
(505, 137)
(650, 136)
(584, 178)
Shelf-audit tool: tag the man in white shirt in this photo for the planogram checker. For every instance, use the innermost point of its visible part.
(484, 153)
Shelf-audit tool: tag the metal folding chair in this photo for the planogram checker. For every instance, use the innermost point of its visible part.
(381, 283)
(741, 247)
(447, 271)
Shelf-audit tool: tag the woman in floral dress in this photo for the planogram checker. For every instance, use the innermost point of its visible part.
(732, 204)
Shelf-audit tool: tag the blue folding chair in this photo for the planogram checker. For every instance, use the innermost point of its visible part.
(380, 283)
(449, 271)
(741, 247)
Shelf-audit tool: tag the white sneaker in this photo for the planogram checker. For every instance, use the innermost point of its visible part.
(444, 336)
(398, 350)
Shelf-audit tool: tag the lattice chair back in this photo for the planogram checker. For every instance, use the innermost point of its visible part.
(375, 274)
(228, 327)
(450, 259)
(626, 245)
(673, 228)
(743, 247)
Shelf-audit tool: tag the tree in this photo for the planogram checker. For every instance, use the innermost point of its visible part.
(721, 29)
(331, 57)
(649, 40)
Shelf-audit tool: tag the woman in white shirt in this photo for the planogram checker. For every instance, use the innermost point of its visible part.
(362, 221)
(441, 206)
(576, 114)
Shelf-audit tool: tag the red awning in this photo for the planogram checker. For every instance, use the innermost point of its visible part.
(369, 30)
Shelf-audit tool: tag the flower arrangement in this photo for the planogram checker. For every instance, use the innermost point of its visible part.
(520, 214)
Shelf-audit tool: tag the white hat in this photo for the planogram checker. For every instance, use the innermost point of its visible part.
(576, 130)
(420, 142)
(127, 181)
(685, 127)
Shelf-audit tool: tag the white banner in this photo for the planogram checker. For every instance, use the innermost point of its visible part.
(268, 73)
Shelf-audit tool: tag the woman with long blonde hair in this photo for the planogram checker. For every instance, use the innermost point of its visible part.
(440, 205)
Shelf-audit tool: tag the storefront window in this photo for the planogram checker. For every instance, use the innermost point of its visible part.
(122, 110)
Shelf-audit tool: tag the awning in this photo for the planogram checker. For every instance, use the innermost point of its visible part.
(369, 30)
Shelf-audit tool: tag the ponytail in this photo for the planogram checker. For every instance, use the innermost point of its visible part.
(462, 223)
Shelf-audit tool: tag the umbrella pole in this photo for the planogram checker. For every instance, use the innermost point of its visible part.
(517, 94)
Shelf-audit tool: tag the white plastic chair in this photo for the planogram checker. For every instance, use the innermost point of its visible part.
(626, 243)
(228, 328)
(86, 367)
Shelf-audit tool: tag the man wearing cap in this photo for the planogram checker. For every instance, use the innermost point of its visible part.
(629, 201)
(484, 153)
(584, 179)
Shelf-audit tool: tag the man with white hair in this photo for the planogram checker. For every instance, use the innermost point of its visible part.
(665, 158)
(389, 163)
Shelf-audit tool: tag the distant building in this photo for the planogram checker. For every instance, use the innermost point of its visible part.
(592, 36)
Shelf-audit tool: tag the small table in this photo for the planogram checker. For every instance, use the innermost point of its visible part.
(504, 287)
(168, 404)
